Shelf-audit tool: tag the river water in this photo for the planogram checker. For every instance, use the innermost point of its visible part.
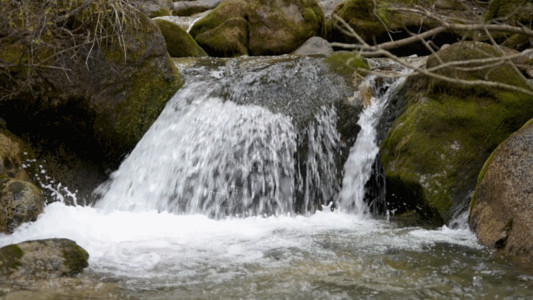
(213, 203)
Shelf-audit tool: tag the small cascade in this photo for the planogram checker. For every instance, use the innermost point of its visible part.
(207, 154)
(358, 166)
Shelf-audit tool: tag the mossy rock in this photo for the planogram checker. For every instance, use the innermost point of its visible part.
(436, 148)
(42, 259)
(510, 10)
(279, 27)
(20, 201)
(226, 10)
(347, 64)
(378, 21)
(179, 42)
(229, 39)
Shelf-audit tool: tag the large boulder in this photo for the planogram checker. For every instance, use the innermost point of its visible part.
(501, 209)
(42, 259)
(436, 148)
(179, 42)
(258, 27)
(279, 27)
(223, 31)
(20, 201)
(94, 93)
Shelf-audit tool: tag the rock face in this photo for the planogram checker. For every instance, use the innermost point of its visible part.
(259, 27)
(179, 42)
(315, 46)
(42, 259)
(436, 148)
(20, 202)
(502, 206)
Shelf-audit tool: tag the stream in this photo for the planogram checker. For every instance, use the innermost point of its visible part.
(236, 191)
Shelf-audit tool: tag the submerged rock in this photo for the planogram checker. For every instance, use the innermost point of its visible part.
(436, 148)
(20, 202)
(501, 209)
(179, 42)
(42, 259)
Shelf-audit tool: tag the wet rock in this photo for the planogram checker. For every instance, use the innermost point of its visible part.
(502, 206)
(436, 148)
(179, 42)
(315, 46)
(188, 8)
(42, 259)
(20, 202)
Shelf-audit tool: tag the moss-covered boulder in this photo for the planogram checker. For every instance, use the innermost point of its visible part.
(514, 12)
(259, 27)
(374, 20)
(95, 100)
(20, 201)
(224, 31)
(42, 259)
(436, 148)
(179, 42)
(501, 212)
(279, 27)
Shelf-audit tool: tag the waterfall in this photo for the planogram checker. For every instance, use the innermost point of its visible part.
(358, 166)
(256, 138)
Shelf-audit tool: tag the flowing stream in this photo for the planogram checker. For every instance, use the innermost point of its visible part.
(231, 196)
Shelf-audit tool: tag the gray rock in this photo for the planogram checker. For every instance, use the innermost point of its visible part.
(42, 259)
(188, 8)
(20, 202)
(315, 46)
(502, 207)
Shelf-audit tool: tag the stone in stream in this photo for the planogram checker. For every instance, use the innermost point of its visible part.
(502, 206)
(42, 259)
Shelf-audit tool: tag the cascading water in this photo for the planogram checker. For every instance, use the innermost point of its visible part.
(211, 156)
(249, 138)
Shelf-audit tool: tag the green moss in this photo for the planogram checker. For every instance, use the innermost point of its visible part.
(226, 10)
(145, 101)
(309, 15)
(227, 40)
(179, 42)
(503, 8)
(346, 64)
(10, 259)
(75, 259)
(161, 12)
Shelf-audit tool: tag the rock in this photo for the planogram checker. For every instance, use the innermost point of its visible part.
(226, 40)
(223, 31)
(154, 8)
(279, 27)
(108, 96)
(348, 65)
(259, 27)
(189, 8)
(13, 152)
(179, 42)
(315, 46)
(436, 148)
(502, 207)
(42, 259)
(20, 201)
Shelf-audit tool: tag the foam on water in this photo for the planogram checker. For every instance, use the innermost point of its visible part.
(150, 244)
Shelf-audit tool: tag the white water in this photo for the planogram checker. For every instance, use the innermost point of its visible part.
(358, 166)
